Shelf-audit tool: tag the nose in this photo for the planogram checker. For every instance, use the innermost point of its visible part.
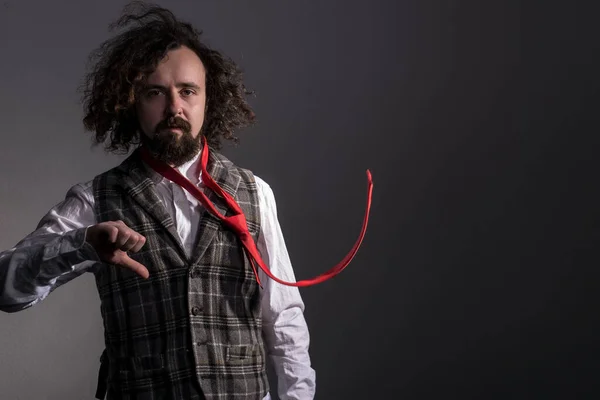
(174, 104)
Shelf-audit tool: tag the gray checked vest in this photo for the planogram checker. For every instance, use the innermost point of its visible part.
(193, 329)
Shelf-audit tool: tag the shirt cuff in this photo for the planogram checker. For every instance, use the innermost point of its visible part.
(71, 251)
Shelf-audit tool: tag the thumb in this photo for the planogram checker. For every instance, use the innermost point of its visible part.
(135, 266)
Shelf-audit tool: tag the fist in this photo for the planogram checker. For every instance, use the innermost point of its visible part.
(112, 240)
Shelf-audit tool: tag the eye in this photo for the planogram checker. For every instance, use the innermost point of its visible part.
(152, 93)
(187, 92)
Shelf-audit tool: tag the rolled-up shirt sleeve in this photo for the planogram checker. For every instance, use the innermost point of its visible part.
(285, 330)
(53, 254)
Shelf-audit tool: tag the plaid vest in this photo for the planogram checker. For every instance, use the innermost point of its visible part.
(192, 330)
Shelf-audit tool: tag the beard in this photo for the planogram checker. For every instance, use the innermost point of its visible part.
(170, 147)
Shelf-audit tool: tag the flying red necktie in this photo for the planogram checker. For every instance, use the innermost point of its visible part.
(237, 221)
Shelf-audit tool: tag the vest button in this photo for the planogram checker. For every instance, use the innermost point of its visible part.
(196, 311)
(195, 273)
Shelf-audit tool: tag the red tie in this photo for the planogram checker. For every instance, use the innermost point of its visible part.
(237, 221)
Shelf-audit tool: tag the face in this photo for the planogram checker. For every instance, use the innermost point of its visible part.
(171, 106)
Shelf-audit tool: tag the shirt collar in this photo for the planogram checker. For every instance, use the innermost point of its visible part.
(191, 170)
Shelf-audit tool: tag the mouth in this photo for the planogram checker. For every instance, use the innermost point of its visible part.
(172, 129)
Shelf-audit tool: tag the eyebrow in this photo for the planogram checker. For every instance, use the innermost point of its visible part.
(178, 85)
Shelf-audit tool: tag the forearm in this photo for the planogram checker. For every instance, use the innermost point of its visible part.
(287, 342)
(37, 266)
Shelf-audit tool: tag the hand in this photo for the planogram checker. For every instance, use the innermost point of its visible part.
(112, 240)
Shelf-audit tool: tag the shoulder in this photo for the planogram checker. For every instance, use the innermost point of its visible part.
(85, 189)
(261, 185)
(82, 191)
(131, 164)
(265, 192)
(265, 195)
(246, 174)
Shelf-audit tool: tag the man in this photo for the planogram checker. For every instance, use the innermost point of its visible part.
(184, 314)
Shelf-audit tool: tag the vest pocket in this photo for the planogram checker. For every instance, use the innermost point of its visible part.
(140, 372)
(239, 354)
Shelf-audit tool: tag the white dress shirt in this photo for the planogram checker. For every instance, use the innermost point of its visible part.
(56, 252)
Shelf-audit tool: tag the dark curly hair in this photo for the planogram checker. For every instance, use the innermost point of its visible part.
(121, 64)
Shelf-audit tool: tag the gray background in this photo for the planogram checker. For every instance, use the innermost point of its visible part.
(479, 122)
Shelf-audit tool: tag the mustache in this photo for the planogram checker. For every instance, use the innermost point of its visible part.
(173, 123)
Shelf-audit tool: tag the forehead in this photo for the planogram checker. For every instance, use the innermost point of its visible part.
(181, 64)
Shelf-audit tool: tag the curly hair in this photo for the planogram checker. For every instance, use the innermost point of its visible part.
(121, 64)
